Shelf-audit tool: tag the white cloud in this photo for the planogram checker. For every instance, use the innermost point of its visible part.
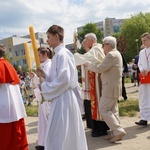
(16, 16)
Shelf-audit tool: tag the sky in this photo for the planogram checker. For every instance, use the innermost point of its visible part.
(17, 15)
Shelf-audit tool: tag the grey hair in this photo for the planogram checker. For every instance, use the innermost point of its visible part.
(91, 36)
(110, 40)
(83, 41)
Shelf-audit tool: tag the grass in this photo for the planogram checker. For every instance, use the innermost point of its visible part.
(32, 110)
(127, 79)
(126, 108)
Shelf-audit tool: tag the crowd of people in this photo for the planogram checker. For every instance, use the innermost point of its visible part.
(62, 102)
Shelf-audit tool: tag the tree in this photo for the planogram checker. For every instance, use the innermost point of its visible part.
(131, 30)
(89, 28)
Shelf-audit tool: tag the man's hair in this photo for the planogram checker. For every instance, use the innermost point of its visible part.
(2, 51)
(91, 36)
(55, 29)
(110, 40)
(146, 34)
(45, 50)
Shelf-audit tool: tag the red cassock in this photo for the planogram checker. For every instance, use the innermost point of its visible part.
(12, 134)
(7, 73)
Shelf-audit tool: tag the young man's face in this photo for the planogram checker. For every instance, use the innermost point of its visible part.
(52, 40)
(146, 41)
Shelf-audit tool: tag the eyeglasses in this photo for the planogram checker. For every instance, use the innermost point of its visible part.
(105, 44)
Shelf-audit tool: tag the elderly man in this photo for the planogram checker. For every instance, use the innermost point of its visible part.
(111, 76)
(92, 82)
(85, 94)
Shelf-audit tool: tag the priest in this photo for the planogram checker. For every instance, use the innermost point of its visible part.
(12, 111)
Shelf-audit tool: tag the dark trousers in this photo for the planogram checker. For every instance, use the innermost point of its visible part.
(99, 126)
(88, 116)
(124, 94)
(138, 80)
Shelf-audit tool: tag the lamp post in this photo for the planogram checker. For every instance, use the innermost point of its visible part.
(137, 46)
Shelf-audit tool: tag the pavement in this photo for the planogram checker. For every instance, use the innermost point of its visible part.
(137, 138)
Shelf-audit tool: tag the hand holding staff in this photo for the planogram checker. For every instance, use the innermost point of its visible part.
(33, 40)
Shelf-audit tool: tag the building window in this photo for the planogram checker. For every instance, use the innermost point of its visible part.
(17, 53)
(18, 63)
(24, 61)
(22, 52)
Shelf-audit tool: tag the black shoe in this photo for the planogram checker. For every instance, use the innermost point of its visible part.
(39, 147)
(97, 134)
(125, 98)
(83, 117)
(89, 126)
(141, 123)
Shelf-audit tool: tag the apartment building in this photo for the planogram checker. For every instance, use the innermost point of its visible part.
(112, 25)
(16, 51)
(109, 26)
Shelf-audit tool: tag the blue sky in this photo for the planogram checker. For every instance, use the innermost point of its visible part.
(16, 16)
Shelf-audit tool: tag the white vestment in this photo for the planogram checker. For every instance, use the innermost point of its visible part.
(44, 108)
(12, 102)
(144, 89)
(65, 127)
(94, 55)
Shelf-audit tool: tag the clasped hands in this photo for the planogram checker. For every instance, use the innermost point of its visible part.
(40, 72)
(144, 73)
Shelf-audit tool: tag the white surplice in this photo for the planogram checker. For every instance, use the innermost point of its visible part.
(144, 89)
(44, 108)
(65, 127)
(11, 101)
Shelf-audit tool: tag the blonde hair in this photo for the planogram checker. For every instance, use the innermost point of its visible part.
(146, 34)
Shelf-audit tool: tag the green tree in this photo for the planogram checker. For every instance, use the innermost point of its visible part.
(89, 28)
(121, 43)
(131, 30)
